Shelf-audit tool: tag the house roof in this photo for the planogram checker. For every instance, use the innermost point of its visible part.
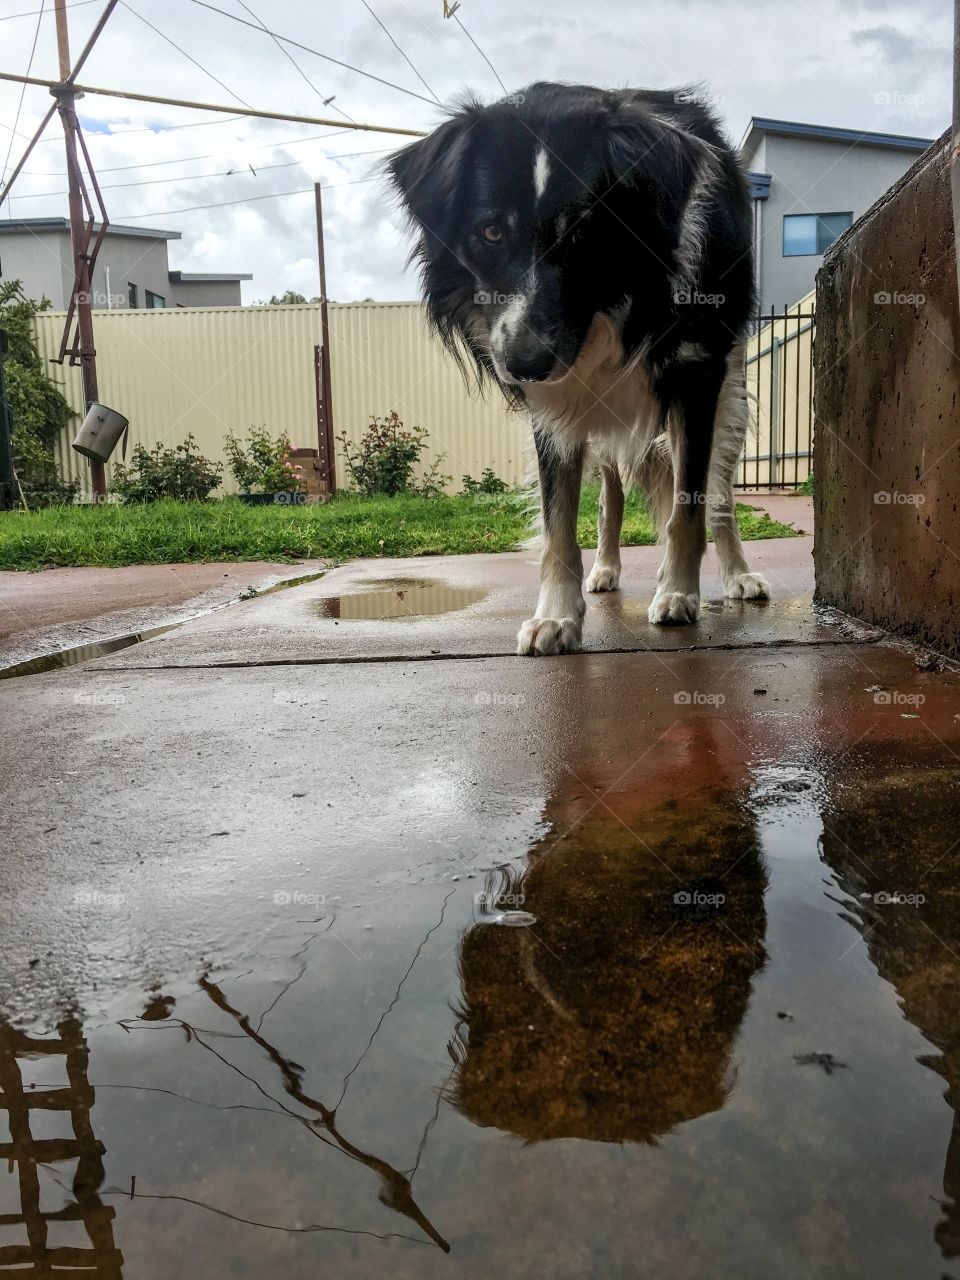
(11, 226)
(830, 133)
(208, 277)
(759, 184)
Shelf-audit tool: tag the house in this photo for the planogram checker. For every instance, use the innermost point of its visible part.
(131, 271)
(809, 183)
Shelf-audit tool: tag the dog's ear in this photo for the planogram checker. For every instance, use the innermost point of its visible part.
(647, 152)
(428, 174)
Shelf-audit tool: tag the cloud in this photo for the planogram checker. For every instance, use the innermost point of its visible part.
(884, 67)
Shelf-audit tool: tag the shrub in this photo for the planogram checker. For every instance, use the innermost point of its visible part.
(264, 464)
(39, 409)
(384, 459)
(489, 482)
(807, 486)
(182, 473)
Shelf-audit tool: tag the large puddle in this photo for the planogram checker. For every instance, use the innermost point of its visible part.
(725, 1043)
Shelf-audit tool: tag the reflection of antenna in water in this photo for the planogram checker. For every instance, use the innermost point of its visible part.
(396, 1190)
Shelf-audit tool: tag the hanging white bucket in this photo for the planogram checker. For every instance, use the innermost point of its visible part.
(99, 432)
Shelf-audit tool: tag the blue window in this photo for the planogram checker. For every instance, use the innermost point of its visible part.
(812, 233)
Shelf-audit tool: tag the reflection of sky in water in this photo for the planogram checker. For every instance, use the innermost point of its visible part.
(398, 600)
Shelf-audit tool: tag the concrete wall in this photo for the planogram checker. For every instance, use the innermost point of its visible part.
(813, 176)
(887, 444)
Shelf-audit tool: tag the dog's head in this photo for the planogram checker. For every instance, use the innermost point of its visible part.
(539, 212)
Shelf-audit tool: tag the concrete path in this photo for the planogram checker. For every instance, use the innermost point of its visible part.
(794, 509)
(390, 952)
(472, 606)
(60, 608)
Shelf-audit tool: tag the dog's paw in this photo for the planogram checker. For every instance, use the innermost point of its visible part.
(674, 608)
(603, 578)
(542, 636)
(747, 586)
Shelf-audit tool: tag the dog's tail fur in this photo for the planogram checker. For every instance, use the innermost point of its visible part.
(652, 474)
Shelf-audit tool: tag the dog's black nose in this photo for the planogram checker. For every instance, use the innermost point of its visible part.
(530, 363)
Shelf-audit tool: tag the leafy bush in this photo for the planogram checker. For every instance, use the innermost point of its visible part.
(489, 482)
(182, 473)
(807, 486)
(39, 409)
(384, 459)
(264, 464)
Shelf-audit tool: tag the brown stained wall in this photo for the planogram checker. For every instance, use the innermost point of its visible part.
(887, 437)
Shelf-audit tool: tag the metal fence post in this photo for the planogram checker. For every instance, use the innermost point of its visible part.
(775, 345)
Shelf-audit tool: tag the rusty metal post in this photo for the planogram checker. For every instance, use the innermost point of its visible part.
(66, 96)
(325, 418)
(955, 149)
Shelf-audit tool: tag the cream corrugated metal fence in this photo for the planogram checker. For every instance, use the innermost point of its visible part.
(207, 370)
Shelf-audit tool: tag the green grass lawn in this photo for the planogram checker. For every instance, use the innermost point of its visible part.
(348, 526)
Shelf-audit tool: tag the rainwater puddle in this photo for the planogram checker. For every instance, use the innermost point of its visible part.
(400, 598)
(722, 1045)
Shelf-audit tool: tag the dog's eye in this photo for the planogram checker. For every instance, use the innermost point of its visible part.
(492, 233)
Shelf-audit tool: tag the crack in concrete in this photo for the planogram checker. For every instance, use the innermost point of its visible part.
(356, 659)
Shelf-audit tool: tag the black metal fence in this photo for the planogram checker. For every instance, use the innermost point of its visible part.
(778, 453)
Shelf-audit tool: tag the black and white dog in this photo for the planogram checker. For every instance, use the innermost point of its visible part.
(592, 252)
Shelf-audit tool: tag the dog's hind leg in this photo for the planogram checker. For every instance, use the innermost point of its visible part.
(689, 393)
(557, 625)
(605, 574)
(730, 429)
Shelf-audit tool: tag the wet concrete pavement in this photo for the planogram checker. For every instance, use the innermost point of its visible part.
(641, 962)
(59, 609)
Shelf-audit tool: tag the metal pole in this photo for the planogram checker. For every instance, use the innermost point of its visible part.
(326, 434)
(774, 461)
(66, 96)
(215, 106)
(955, 150)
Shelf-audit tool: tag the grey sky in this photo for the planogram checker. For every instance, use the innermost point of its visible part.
(882, 66)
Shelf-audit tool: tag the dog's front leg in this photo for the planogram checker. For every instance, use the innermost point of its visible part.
(691, 395)
(557, 625)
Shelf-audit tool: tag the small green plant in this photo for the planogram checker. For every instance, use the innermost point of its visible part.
(807, 486)
(385, 456)
(181, 473)
(489, 482)
(264, 463)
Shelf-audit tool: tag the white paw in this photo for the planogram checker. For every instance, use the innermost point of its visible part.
(603, 578)
(674, 608)
(549, 635)
(747, 586)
